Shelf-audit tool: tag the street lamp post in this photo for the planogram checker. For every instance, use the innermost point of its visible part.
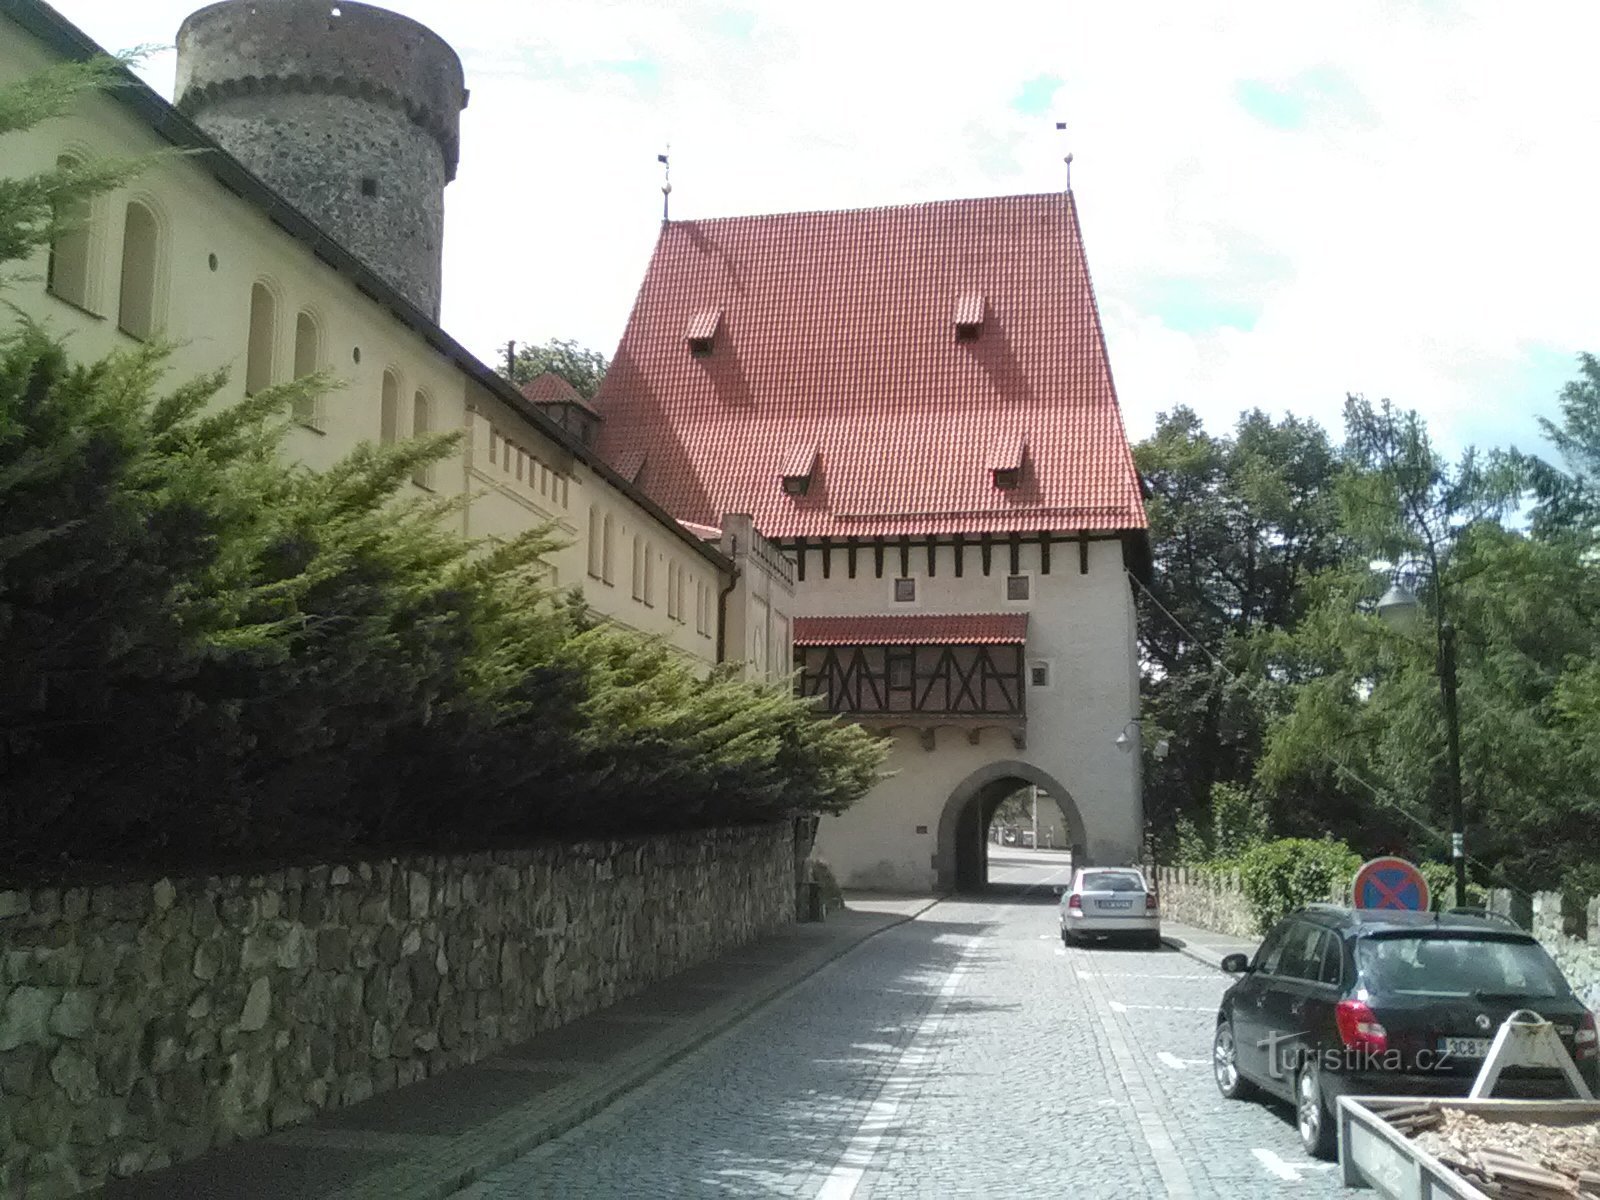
(1398, 608)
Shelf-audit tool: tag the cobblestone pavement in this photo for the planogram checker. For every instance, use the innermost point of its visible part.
(966, 1053)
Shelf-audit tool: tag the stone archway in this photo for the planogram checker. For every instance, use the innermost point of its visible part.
(961, 861)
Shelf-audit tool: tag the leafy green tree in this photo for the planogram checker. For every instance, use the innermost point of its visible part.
(581, 367)
(1365, 702)
(1239, 523)
(1569, 494)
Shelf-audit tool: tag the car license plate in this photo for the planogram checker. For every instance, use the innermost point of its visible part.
(1464, 1047)
(1116, 904)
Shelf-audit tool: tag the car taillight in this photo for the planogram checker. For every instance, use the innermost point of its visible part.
(1358, 1026)
(1074, 901)
(1150, 902)
(1584, 1040)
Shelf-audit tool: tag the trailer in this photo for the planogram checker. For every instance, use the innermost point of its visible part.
(1377, 1149)
(1476, 1147)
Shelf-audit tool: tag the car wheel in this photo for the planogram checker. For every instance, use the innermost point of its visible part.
(1152, 941)
(1311, 1115)
(1225, 1065)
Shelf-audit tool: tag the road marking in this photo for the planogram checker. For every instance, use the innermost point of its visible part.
(1118, 1006)
(1082, 974)
(1141, 1087)
(1287, 1170)
(1180, 1064)
(845, 1178)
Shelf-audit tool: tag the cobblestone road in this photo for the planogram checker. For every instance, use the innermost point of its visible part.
(967, 1053)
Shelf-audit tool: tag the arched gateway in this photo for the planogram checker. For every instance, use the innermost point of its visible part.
(961, 861)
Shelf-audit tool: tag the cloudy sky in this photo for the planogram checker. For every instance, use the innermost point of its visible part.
(1281, 203)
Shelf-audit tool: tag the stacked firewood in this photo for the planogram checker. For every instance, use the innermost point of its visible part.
(1507, 1159)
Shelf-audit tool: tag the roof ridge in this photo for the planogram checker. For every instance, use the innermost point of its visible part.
(870, 208)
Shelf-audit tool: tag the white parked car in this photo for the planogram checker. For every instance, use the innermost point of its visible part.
(1111, 902)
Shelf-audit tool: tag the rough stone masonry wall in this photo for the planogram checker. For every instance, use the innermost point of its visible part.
(145, 1023)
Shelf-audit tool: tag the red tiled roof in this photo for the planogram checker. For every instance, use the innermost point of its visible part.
(919, 629)
(835, 331)
(550, 388)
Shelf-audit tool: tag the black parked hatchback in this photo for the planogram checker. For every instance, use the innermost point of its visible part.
(1350, 1001)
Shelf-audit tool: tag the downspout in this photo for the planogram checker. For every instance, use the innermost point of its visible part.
(722, 606)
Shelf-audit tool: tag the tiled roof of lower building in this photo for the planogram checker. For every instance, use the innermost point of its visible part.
(913, 629)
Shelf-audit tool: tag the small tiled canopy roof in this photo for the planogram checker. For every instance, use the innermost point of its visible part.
(913, 629)
(833, 331)
(550, 388)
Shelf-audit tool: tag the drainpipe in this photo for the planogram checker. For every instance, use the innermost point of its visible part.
(722, 607)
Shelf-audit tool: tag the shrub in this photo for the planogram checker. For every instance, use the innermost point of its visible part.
(1281, 876)
(1238, 819)
(1441, 877)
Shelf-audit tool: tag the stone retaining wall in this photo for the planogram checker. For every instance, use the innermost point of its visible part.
(145, 1023)
(1205, 900)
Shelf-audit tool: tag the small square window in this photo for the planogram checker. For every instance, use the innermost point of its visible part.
(1007, 479)
(1017, 587)
(1039, 674)
(369, 186)
(905, 589)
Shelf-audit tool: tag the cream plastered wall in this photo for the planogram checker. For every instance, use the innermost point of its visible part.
(758, 611)
(214, 249)
(1080, 629)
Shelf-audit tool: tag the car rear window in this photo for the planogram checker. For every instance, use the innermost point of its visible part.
(1457, 966)
(1112, 881)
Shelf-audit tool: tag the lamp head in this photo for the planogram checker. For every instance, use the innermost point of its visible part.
(1398, 607)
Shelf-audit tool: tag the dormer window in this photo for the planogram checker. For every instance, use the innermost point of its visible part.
(970, 310)
(1004, 461)
(702, 332)
(798, 468)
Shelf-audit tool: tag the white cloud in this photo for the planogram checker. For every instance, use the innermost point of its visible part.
(1424, 235)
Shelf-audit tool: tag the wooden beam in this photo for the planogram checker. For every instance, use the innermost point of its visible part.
(933, 557)
(800, 559)
(905, 557)
(827, 559)
(850, 557)
(960, 548)
(1016, 554)
(986, 544)
(877, 556)
(1083, 552)
(1044, 554)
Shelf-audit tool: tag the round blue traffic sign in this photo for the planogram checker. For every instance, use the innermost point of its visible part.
(1390, 883)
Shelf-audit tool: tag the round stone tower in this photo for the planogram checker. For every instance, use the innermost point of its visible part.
(352, 112)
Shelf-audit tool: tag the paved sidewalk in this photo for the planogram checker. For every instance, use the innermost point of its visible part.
(1205, 945)
(426, 1141)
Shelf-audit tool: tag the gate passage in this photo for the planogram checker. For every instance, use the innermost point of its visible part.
(1390, 883)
